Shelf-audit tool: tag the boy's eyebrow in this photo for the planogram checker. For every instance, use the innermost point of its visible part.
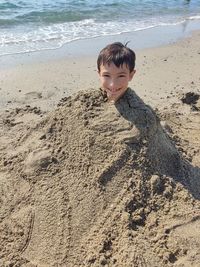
(122, 72)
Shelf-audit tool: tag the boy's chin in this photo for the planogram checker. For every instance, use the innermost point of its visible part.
(114, 97)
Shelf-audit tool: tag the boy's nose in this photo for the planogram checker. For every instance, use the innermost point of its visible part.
(112, 85)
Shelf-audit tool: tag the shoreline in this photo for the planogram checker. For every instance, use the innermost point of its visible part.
(89, 47)
(42, 79)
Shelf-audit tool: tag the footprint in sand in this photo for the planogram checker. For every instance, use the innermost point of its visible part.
(33, 95)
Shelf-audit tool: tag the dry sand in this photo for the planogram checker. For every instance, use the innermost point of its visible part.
(89, 183)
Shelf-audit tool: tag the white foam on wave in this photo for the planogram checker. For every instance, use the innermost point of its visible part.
(26, 39)
(197, 17)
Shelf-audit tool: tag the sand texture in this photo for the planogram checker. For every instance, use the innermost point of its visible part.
(93, 183)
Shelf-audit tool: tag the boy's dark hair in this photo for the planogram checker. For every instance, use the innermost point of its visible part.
(118, 54)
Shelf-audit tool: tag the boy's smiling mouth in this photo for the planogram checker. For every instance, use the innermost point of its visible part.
(113, 91)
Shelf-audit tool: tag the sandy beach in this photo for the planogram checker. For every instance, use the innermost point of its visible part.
(75, 192)
(44, 80)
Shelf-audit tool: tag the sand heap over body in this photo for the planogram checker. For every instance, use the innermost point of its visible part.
(97, 184)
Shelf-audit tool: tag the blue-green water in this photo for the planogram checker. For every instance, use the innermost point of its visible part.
(33, 25)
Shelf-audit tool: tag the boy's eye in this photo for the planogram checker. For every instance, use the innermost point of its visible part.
(105, 75)
(122, 75)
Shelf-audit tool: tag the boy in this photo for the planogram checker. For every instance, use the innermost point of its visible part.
(116, 68)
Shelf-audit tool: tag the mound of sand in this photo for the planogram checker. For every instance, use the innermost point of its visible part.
(96, 184)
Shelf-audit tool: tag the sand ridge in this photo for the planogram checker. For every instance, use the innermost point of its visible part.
(97, 184)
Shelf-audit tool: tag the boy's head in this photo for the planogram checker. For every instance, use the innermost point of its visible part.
(116, 67)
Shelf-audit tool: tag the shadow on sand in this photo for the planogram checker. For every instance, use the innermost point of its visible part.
(161, 153)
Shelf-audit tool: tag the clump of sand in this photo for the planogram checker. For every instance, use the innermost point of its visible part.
(96, 184)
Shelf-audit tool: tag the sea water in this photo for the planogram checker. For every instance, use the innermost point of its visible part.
(34, 25)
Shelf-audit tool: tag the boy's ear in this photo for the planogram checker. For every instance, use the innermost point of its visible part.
(132, 74)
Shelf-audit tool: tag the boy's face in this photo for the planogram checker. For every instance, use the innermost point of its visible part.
(114, 80)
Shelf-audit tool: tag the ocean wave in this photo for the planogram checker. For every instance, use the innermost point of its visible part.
(8, 5)
(50, 17)
(196, 17)
(55, 36)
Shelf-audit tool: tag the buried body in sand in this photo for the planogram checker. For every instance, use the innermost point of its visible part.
(96, 184)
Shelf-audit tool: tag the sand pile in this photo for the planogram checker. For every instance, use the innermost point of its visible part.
(96, 184)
